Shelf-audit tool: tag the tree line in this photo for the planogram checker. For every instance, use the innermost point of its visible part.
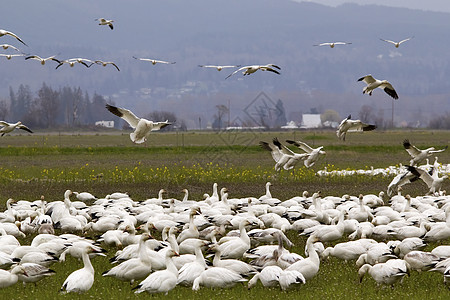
(64, 108)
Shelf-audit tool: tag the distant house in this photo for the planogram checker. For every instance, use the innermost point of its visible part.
(107, 124)
(311, 121)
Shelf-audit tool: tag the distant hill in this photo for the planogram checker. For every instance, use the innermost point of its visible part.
(233, 32)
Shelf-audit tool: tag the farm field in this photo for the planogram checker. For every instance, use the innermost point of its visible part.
(105, 162)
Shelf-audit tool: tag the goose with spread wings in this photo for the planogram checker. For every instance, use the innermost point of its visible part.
(218, 67)
(141, 126)
(419, 155)
(431, 178)
(7, 46)
(283, 156)
(103, 21)
(105, 63)
(43, 60)
(313, 153)
(8, 127)
(396, 44)
(348, 125)
(372, 83)
(155, 61)
(6, 32)
(253, 68)
(332, 44)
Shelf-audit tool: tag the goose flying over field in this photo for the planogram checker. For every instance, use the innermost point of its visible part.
(348, 125)
(313, 153)
(5, 32)
(43, 60)
(8, 127)
(9, 56)
(373, 83)
(6, 46)
(431, 179)
(332, 44)
(105, 63)
(419, 155)
(218, 67)
(155, 61)
(103, 21)
(283, 156)
(141, 126)
(396, 44)
(252, 69)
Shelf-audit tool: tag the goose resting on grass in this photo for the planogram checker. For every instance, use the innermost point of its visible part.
(348, 125)
(373, 83)
(141, 126)
(8, 127)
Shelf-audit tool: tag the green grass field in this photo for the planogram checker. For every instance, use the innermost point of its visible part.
(107, 162)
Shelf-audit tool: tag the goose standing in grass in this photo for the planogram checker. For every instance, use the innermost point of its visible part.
(80, 280)
(419, 155)
(217, 277)
(6, 32)
(382, 273)
(348, 125)
(142, 127)
(309, 266)
(155, 61)
(269, 277)
(218, 67)
(396, 44)
(313, 153)
(190, 271)
(332, 44)
(252, 69)
(8, 127)
(8, 278)
(103, 21)
(33, 272)
(372, 83)
(160, 281)
(43, 60)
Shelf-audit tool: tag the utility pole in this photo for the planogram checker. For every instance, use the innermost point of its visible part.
(392, 118)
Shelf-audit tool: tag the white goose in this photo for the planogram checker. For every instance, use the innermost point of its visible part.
(105, 63)
(396, 44)
(33, 272)
(283, 156)
(417, 155)
(103, 21)
(269, 277)
(155, 61)
(8, 278)
(309, 266)
(217, 277)
(313, 153)
(141, 126)
(8, 127)
(382, 273)
(5, 32)
(7, 46)
(218, 67)
(190, 271)
(134, 268)
(332, 44)
(235, 265)
(348, 125)
(372, 83)
(160, 281)
(9, 56)
(433, 181)
(80, 280)
(43, 60)
(192, 231)
(236, 247)
(253, 68)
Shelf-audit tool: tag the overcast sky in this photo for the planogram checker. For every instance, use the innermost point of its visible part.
(433, 5)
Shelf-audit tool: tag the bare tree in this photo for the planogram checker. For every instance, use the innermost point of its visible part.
(47, 105)
(366, 113)
(3, 109)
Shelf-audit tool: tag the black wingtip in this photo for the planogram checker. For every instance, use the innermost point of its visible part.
(370, 128)
(406, 144)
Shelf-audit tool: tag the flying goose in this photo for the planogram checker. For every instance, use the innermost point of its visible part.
(103, 21)
(142, 127)
(105, 63)
(253, 68)
(6, 46)
(43, 60)
(431, 179)
(348, 125)
(5, 32)
(373, 83)
(313, 153)
(8, 127)
(283, 156)
(419, 155)
(9, 56)
(218, 67)
(155, 61)
(396, 44)
(332, 44)
(72, 61)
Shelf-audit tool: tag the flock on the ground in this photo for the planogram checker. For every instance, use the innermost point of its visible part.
(220, 241)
